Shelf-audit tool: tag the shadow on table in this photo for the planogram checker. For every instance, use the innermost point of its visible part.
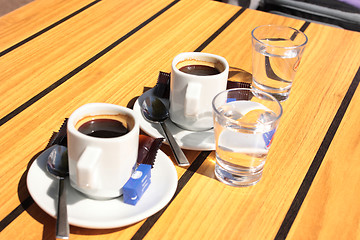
(131, 103)
(237, 78)
(48, 222)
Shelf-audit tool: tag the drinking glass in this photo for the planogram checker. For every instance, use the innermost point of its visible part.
(245, 121)
(276, 55)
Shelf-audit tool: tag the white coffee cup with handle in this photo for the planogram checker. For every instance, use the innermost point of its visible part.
(196, 78)
(103, 142)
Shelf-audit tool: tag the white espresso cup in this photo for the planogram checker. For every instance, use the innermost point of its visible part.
(191, 95)
(103, 144)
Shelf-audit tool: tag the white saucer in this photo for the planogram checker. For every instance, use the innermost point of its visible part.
(201, 141)
(89, 213)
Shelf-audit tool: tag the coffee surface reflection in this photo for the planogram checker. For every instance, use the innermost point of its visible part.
(104, 126)
(199, 70)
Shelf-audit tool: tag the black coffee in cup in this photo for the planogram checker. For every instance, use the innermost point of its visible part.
(199, 70)
(105, 126)
(199, 67)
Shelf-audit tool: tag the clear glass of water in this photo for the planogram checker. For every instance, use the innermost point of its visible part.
(245, 121)
(276, 55)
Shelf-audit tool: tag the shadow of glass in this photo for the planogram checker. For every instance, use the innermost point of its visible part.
(239, 75)
(206, 137)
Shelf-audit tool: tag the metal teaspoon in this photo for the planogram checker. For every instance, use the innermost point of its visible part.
(154, 110)
(57, 165)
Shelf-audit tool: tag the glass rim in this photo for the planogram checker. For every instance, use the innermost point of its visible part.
(252, 91)
(280, 26)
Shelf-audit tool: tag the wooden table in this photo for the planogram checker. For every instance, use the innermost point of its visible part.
(58, 55)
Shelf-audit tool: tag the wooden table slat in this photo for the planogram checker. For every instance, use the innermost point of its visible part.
(113, 50)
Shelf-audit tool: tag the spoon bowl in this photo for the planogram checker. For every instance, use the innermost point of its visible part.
(57, 164)
(154, 109)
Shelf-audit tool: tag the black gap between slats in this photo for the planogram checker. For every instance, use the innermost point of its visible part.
(47, 28)
(59, 82)
(24, 205)
(184, 179)
(317, 161)
(149, 223)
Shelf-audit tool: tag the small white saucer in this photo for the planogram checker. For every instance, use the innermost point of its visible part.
(103, 214)
(201, 141)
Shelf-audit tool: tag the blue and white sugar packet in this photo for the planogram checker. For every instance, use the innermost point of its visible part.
(137, 184)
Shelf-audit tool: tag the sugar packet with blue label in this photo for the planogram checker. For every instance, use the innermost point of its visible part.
(138, 183)
(140, 180)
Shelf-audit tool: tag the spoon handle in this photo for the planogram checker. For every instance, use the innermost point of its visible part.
(178, 153)
(62, 225)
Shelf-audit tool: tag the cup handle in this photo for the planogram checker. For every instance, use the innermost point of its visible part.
(192, 99)
(86, 174)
